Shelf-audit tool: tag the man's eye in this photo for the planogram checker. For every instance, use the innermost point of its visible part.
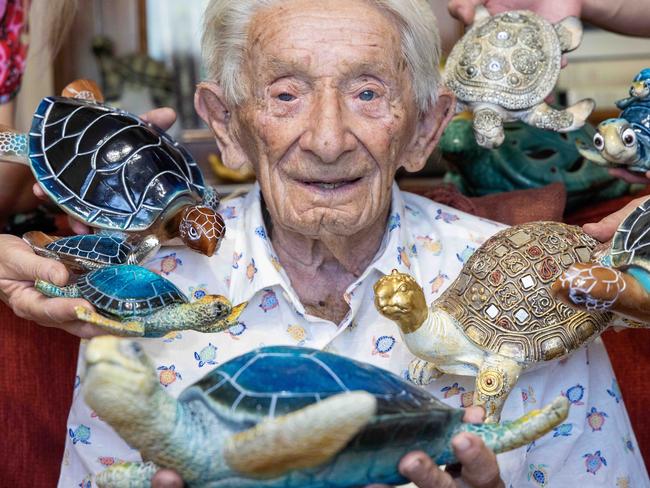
(367, 95)
(286, 97)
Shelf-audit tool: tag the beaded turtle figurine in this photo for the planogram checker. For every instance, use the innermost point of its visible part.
(506, 65)
(116, 173)
(624, 142)
(500, 315)
(137, 302)
(280, 417)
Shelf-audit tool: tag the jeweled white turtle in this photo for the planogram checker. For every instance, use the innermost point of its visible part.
(506, 65)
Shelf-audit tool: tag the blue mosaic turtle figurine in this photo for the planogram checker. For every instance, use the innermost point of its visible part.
(137, 302)
(116, 173)
(280, 416)
(639, 90)
(624, 142)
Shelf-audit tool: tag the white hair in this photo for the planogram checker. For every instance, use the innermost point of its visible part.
(225, 37)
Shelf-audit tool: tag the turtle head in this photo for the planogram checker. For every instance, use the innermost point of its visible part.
(617, 142)
(202, 229)
(120, 379)
(398, 297)
(641, 84)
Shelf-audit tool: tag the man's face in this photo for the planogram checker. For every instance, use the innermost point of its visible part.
(330, 114)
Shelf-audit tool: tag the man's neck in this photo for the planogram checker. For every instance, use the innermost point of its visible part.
(321, 269)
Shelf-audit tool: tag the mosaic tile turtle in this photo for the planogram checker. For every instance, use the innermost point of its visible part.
(506, 65)
(500, 316)
(116, 173)
(137, 302)
(624, 142)
(281, 417)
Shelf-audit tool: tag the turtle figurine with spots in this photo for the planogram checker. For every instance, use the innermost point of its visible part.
(116, 173)
(504, 67)
(624, 141)
(133, 301)
(319, 420)
(501, 316)
(620, 280)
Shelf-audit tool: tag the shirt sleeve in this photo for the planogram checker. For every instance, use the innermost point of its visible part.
(13, 47)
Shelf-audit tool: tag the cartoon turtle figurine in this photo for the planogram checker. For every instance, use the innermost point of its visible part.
(499, 316)
(620, 281)
(318, 420)
(137, 302)
(624, 142)
(639, 90)
(118, 174)
(504, 67)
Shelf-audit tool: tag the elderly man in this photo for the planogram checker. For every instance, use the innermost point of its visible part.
(327, 99)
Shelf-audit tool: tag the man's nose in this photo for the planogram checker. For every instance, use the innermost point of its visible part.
(328, 135)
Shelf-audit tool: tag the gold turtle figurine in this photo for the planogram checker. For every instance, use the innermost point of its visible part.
(499, 316)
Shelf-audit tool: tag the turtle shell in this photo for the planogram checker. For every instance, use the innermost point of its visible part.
(273, 381)
(108, 167)
(510, 59)
(128, 291)
(502, 297)
(631, 243)
(108, 249)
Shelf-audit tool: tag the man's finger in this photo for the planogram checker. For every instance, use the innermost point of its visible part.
(463, 10)
(166, 478)
(39, 192)
(474, 415)
(480, 468)
(22, 264)
(629, 176)
(162, 117)
(605, 229)
(418, 467)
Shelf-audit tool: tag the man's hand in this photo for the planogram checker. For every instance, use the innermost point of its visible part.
(553, 10)
(479, 464)
(605, 229)
(19, 268)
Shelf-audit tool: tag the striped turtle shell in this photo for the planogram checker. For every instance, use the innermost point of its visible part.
(108, 167)
(105, 249)
(128, 291)
(246, 389)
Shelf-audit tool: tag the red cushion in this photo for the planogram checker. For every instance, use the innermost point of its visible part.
(37, 371)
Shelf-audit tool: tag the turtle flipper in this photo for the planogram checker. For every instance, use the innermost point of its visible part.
(133, 475)
(228, 321)
(126, 329)
(571, 118)
(301, 439)
(510, 435)
(13, 146)
(496, 377)
(423, 372)
(594, 287)
(50, 290)
(590, 153)
(623, 103)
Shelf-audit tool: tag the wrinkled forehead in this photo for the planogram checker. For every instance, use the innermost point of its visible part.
(305, 38)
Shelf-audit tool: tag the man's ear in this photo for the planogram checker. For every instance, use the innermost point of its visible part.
(429, 129)
(210, 104)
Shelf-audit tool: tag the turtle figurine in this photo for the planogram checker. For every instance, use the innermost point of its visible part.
(504, 67)
(134, 301)
(280, 417)
(624, 141)
(116, 173)
(500, 316)
(620, 280)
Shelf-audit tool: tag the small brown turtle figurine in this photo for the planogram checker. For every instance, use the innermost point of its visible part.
(499, 316)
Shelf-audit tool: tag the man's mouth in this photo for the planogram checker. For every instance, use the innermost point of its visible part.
(330, 185)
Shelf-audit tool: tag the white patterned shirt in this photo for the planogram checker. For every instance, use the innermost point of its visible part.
(595, 446)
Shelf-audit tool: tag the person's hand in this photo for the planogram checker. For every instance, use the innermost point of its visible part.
(479, 468)
(605, 229)
(479, 465)
(19, 267)
(631, 177)
(553, 10)
(162, 117)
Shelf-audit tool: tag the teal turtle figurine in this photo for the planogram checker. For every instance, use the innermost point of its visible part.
(281, 417)
(504, 67)
(137, 302)
(116, 173)
(624, 141)
(529, 158)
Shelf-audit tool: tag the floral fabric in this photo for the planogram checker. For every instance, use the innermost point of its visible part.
(13, 47)
(594, 447)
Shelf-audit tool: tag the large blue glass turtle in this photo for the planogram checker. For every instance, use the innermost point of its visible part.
(118, 174)
(137, 302)
(280, 416)
(624, 142)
